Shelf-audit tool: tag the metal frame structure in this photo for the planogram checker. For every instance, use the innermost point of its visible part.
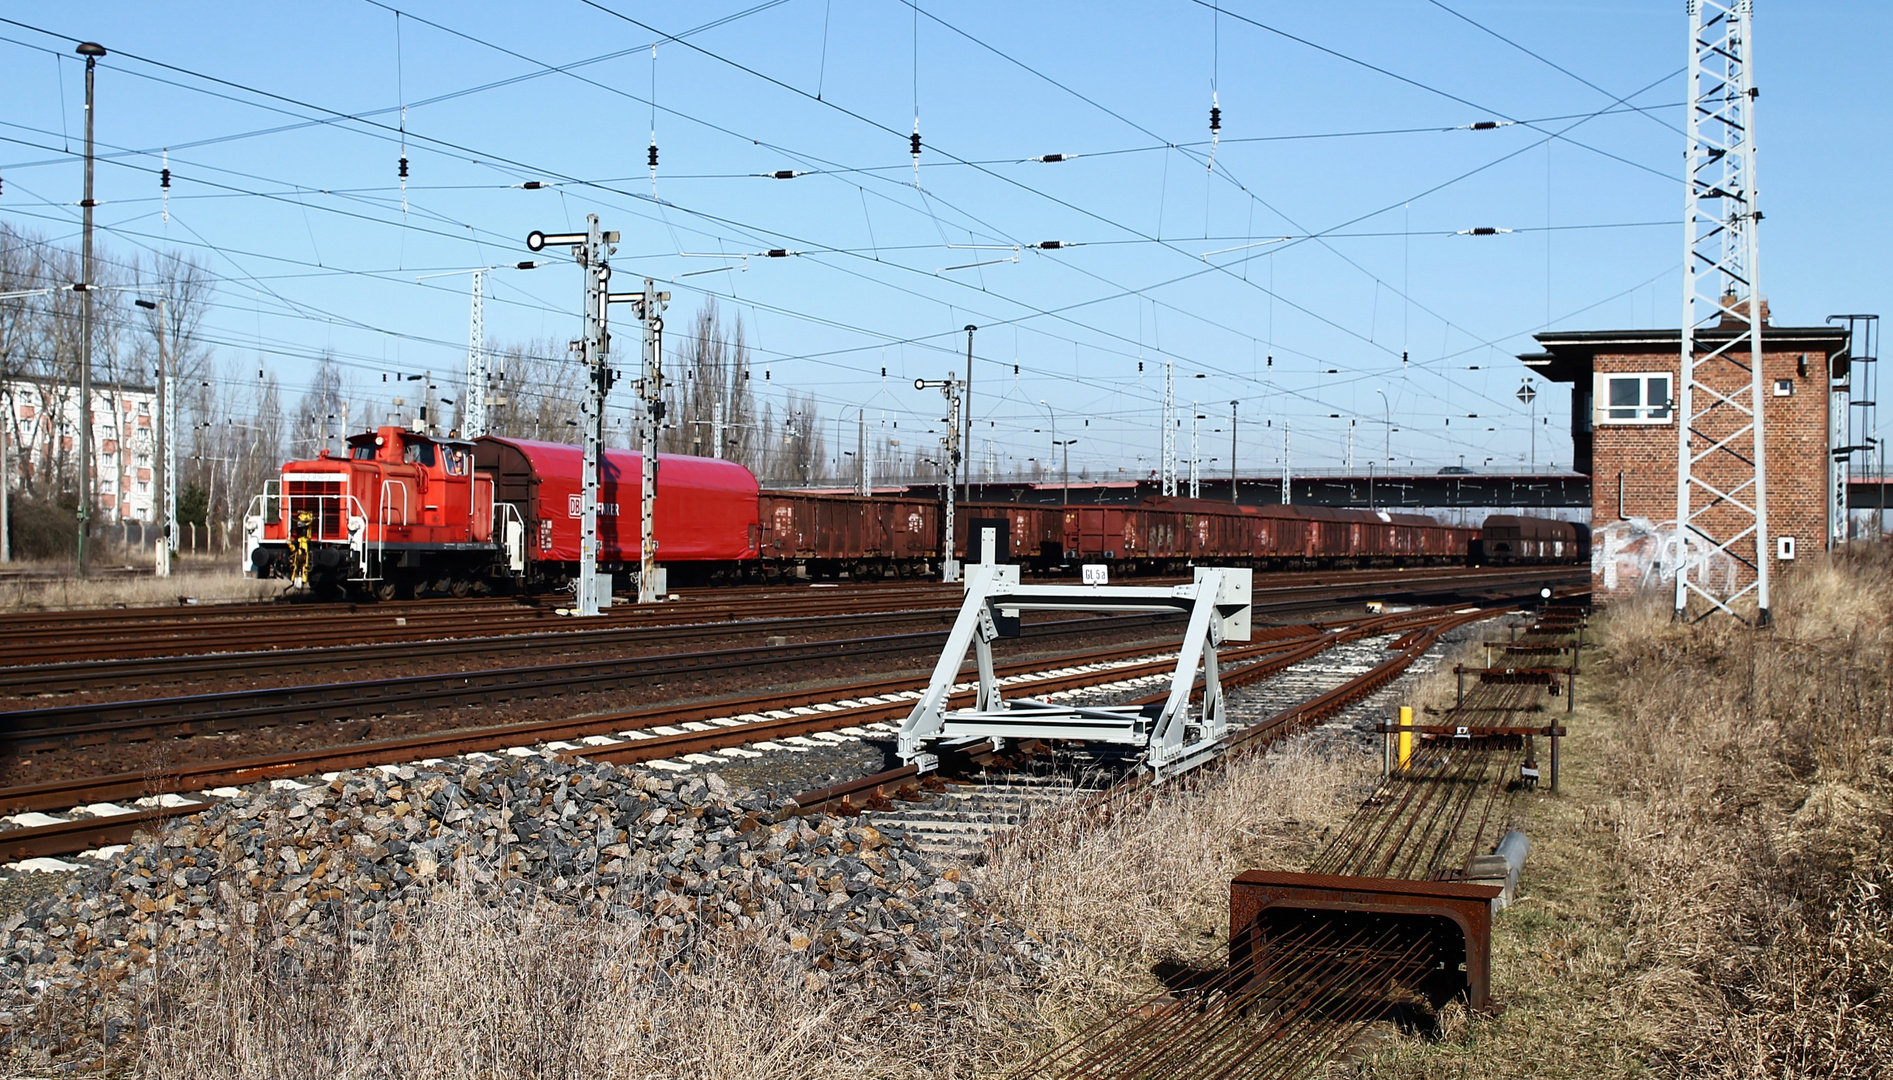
(1721, 444)
(1173, 739)
(1858, 391)
(1169, 464)
(473, 405)
(951, 388)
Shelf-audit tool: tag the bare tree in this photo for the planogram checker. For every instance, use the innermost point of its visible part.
(541, 394)
(319, 415)
(707, 389)
(796, 453)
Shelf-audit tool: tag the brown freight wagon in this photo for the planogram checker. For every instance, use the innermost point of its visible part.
(824, 535)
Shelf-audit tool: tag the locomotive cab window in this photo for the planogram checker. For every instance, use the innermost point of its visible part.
(362, 452)
(456, 461)
(420, 453)
(1632, 397)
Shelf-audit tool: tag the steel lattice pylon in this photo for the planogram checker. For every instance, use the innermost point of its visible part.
(1169, 463)
(1721, 449)
(473, 414)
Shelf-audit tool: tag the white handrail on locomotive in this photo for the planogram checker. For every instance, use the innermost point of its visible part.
(350, 519)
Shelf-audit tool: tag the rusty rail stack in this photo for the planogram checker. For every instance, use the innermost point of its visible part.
(1392, 920)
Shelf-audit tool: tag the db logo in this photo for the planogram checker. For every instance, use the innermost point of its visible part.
(575, 507)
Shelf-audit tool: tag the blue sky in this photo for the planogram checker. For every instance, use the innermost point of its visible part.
(1344, 127)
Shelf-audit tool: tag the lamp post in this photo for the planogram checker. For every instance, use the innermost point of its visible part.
(91, 51)
(1386, 413)
(1066, 445)
(1052, 418)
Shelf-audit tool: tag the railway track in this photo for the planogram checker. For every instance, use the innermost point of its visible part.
(32, 640)
(33, 730)
(39, 638)
(957, 821)
(98, 723)
(95, 818)
(1302, 990)
(122, 674)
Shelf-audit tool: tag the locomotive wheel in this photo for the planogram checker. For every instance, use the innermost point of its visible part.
(386, 590)
(460, 588)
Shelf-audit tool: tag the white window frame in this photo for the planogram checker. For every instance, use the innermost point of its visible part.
(1644, 412)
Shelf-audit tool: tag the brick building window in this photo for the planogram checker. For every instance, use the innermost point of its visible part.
(1641, 397)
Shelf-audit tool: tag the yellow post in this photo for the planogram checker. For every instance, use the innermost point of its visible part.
(1406, 735)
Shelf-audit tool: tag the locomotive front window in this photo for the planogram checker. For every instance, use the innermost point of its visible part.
(362, 452)
(456, 462)
(420, 453)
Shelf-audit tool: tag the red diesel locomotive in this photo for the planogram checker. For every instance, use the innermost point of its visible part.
(405, 512)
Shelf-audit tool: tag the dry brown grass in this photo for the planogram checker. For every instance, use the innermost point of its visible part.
(1150, 884)
(210, 585)
(478, 990)
(1711, 897)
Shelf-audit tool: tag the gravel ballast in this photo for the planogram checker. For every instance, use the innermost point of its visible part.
(352, 862)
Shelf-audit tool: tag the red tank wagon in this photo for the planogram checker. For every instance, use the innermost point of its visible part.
(405, 511)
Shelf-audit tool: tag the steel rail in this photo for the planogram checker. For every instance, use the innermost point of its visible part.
(1443, 782)
(844, 793)
(103, 635)
(26, 730)
(90, 674)
(78, 835)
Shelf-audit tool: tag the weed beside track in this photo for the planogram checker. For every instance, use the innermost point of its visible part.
(1714, 894)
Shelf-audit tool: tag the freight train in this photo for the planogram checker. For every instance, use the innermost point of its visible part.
(404, 512)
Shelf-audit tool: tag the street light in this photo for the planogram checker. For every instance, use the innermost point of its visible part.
(1386, 412)
(1066, 444)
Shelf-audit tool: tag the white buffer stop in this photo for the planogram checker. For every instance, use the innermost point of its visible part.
(1174, 737)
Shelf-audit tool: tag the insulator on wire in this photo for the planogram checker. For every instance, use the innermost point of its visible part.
(402, 171)
(653, 155)
(164, 179)
(914, 141)
(1050, 159)
(1215, 128)
(533, 185)
(784, 174)
(778, 253)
